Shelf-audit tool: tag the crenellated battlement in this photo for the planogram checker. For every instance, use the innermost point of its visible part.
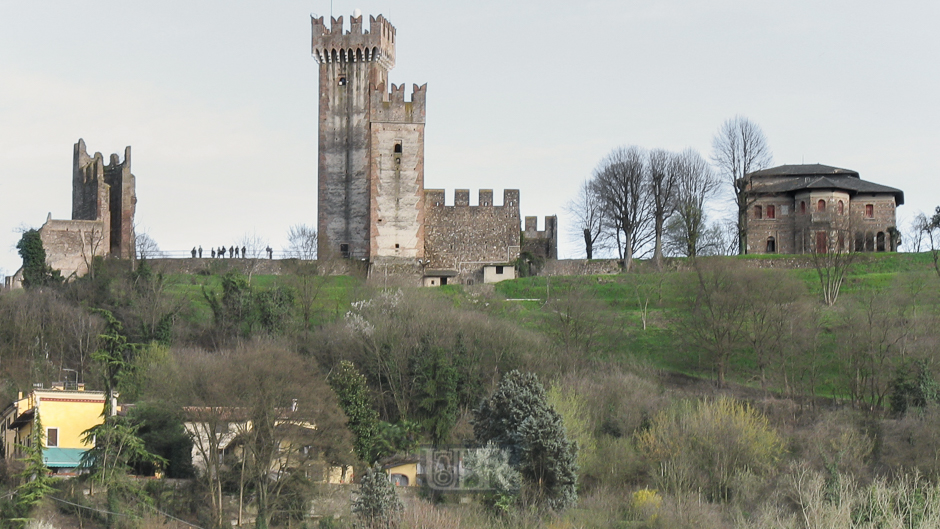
(331, 45)
(435, 198)
(392, 107)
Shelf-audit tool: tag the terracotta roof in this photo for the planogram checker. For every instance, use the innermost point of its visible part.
(818, 176)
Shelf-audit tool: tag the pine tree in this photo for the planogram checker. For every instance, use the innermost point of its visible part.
(377, 505)
(35, 481)
(519, 419)
(351, 390)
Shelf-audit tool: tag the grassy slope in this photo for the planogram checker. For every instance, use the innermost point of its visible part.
(618, 300)
(657, 346)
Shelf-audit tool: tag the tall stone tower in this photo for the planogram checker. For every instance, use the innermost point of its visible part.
(371, 146)
(106, 193)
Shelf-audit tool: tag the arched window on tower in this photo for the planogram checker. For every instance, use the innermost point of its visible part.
(771, 245)
(803, 206)
(821, 206)
(398, 148)
(841, 208)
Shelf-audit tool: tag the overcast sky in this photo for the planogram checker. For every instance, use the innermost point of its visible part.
(218, 98)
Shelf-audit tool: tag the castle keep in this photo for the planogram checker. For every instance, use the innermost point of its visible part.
(372, 205)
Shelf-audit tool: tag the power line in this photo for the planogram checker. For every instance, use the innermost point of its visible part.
(122, 514)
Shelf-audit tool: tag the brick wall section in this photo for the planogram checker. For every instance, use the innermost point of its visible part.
(464, 238)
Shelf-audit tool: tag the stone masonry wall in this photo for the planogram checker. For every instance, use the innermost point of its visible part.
(543, 244)
(798, 222)
(464, 237)
(397, 174)
(71, 245)
(351, 67)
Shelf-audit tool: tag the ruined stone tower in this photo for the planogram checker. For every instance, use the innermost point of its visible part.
(105, 193)
(371, 146)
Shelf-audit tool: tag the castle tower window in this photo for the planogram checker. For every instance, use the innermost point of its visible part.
(802, 207)
(771, 212)
(342, 81)
(869, 211)
(841, 208)
(821, 206)
(398, 147)
(758, 212)
(771, 245)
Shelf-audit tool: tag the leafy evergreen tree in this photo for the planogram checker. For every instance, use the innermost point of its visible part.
(377, 504)
(35, 481)
(36, 273)
(519, 419)
(353, 394)
(437, 383)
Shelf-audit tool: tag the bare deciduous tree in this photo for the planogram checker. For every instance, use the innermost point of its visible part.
(588, 225)
(302, 241)
(738, 149)
(717, 319)
(620, 183)
(664, 172)
(696, 184)
(147, 248)
(831, 259)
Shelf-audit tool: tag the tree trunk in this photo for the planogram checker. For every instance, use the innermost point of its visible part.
(588, 244)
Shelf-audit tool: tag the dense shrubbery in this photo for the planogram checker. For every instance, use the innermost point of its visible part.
(655, 449)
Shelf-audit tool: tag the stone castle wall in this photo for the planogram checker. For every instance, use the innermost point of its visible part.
(71, 245)
(464, 237)
(542, 244)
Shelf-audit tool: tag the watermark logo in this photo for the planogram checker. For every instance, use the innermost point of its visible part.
(459, 469)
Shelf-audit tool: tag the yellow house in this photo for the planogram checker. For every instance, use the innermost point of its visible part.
(65, 412)
(404, 472)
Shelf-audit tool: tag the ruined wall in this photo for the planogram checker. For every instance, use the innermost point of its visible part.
(352, 66)
(71, 245)
(397, 173)
(543, 244)
(106, 193)
(464, 237)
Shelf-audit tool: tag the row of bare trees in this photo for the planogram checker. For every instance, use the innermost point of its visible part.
(655, 201)
(640, 200)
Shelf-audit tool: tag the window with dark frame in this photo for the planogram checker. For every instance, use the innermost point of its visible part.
(52, 437)
(771, 212)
